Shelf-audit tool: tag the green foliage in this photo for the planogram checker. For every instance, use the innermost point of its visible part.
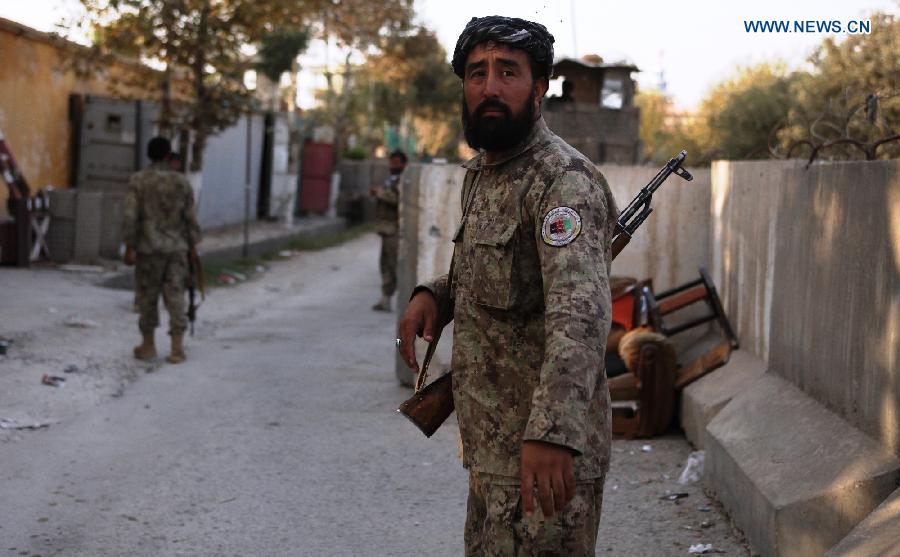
(199, 46)
(830, 101)
(734, 120)
(278, 50)
(766, 107)
(407, 82)
(664, 131)
(356, 153)
(739, 114)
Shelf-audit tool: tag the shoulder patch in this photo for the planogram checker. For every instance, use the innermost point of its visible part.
(561, 226)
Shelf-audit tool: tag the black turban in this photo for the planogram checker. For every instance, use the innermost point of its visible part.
(529, 36)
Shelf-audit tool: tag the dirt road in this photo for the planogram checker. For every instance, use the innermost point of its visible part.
(277, 437)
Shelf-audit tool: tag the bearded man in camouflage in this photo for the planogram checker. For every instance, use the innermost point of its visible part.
(159, 229)
(528, 291)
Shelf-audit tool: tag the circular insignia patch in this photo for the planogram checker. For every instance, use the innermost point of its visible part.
(561, 226)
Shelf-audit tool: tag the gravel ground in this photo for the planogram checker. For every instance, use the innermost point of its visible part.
(277, 437)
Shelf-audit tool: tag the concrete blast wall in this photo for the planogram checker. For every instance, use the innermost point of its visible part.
(835, 321)
(809, 260)
(744, 212)
(808, 264)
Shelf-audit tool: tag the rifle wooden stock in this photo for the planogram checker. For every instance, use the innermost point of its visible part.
(432, 404)
(620, 240)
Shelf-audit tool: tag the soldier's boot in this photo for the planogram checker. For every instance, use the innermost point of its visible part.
(177, 356)
(147, 349)
(383, 305)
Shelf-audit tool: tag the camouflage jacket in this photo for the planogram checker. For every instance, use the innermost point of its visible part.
(386, 201)
(531, 306)
(159, 212)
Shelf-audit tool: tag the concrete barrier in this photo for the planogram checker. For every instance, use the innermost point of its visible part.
(743, 236)
(878, 534)
(430, 212)
(795, 477)
(703, 399)
(835, 320)
(809, 261)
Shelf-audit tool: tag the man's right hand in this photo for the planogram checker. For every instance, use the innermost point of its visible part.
(419, 319)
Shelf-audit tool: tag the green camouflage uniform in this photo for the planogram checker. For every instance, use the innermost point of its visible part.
(531, 306)
(161, 225)
(386, 225)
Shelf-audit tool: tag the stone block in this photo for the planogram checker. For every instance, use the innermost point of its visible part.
(704, 398)
(794, 475)
(878, 534)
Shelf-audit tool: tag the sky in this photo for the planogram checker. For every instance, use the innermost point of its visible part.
(696, 43)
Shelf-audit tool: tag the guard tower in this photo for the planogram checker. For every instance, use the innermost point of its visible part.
(597, 116)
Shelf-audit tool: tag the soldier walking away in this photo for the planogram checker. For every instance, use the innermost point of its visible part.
(160, 229)
(528, 291)
(387, 197)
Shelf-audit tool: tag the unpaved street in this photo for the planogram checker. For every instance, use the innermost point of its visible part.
(277, 437)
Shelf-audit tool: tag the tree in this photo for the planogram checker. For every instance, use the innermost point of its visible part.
(408, 82)
(852, 93)
(664, 131)
(278, 52)
(738, 115)
(201, 47)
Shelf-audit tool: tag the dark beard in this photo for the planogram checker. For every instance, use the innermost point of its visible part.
(495, 133)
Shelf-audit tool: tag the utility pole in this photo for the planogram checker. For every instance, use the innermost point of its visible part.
(245, 252)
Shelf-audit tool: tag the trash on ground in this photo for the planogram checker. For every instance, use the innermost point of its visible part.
(674, 496)
(71, 368)
(53, 380)
(646, 449)
(704, 509)
(693, 469)
(707, 524)
(285, 253)
(226, 279)
(78, 322)
(81, 268)
(236, 274)
(700, 548)
(262, 269)
(15, 424)
(4, 346)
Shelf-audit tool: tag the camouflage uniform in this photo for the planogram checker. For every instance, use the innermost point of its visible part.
(386, 225)
(531, 315)
(161, 225)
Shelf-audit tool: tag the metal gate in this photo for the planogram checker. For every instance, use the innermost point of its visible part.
(110, 144)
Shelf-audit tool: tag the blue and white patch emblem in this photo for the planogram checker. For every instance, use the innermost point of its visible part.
(561, 226)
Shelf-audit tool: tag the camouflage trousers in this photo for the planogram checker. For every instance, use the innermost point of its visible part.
(164, 274)
(497, 527)
(388, 264)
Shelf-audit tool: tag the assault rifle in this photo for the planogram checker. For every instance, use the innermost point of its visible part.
(431, 404)
(195, 282)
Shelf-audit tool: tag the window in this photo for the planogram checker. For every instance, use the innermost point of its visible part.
(613, 93)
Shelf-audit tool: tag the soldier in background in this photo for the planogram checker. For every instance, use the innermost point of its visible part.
(387, 198)
(160, 229)
(175, 163)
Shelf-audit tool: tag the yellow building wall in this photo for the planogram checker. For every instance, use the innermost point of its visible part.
(34, 103)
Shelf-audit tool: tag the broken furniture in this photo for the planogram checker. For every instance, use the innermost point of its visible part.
(643, 397)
